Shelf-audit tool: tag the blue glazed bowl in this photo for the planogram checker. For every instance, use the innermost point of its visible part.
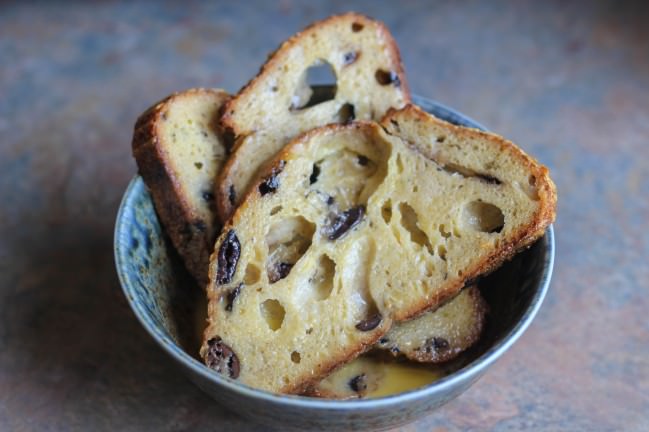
(165, 301)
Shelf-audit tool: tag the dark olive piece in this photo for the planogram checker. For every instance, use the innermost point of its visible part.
(271, 183)
(231, 194)
(208, 196)
(314, 174)
(228, 257)
(350, 57)
(221, 358)
(358, 383)
(370, 323)
(231, 297)
(280, 271)
(344, 221)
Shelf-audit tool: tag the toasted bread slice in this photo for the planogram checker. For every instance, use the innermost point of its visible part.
(354, 227)
(179, 154)
(441, 334)
(279, 103)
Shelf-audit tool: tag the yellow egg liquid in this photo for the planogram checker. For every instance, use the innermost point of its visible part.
(400, 377)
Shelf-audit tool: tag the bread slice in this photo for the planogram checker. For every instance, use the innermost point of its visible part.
(434, 337)
(353, 227)
(441, 334)
(279, 103)
(179, 154)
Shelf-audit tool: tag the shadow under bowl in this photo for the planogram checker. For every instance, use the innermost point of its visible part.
(165, 301)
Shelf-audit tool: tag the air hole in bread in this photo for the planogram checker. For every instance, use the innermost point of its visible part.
(384, 77)
(252, 274)
(467, 172)
(287, 241)
(317, 84)
(296, 357)
(275, 210)
(198, 165)
(399, 164)
(386, 211)
(273, 313)
(356, 278)
(356, 27)
(443, 231)
(410, 221)
(345, 175)
(345, 114)
(530, 188)
(441, 251)
(350, 57)
(484, 217)
(322, 281)
(441, 139)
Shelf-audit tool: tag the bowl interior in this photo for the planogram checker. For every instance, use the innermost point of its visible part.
(172, 307)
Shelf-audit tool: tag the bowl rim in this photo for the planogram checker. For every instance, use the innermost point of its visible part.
(445, 384)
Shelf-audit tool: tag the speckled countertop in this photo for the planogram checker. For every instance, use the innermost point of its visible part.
(568, 81)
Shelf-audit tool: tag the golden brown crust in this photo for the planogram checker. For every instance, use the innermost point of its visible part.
(182, 224)
(224, 190)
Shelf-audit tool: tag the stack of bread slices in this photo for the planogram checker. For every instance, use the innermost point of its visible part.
(327, 221)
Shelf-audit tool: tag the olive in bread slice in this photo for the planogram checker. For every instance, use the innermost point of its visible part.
(179, 153)
(354, 227)
(279, 103)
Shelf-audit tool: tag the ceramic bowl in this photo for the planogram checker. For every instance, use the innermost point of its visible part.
(165, 302)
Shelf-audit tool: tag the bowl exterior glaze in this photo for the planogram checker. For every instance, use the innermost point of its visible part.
(156, 288)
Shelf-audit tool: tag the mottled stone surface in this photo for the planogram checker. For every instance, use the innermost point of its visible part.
(568, 81)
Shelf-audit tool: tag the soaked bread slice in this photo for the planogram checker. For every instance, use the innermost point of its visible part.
(442, 334)
(363, 61)
(179, 154)
(434, 337)
(354, 227)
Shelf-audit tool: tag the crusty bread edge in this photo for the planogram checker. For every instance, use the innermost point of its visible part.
(224, 206)
(174, 211)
